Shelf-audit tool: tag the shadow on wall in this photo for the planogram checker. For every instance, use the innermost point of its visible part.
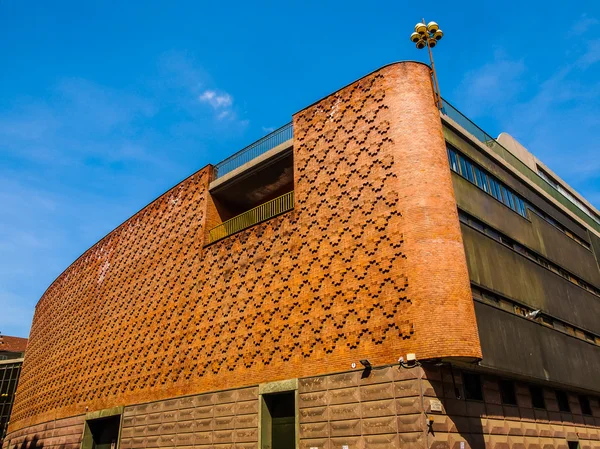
(467, 428)
(35, 443)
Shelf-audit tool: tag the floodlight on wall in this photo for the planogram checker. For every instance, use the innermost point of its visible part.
(427, 35)
(368, 367)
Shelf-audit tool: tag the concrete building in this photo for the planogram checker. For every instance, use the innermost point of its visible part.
(376, 274)
(12, 351)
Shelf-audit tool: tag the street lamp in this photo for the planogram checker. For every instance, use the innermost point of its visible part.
(428, 36)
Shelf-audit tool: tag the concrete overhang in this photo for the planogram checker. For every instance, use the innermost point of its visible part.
(253, 164)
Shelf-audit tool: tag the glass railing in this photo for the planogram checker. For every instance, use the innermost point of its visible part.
(254, 216)
(460, 119)
(254, 150)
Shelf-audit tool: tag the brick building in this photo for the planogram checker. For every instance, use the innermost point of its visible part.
(376, 274)
(12, 350)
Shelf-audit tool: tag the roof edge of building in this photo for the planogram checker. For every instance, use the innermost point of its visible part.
(408, 61)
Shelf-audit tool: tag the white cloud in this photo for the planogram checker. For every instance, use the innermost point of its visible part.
(223, 107)
(195, 89)
(216, 100)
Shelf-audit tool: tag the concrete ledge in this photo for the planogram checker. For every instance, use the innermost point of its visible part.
(11, 361)
(278, 387)
(252, 163)
(105, 413)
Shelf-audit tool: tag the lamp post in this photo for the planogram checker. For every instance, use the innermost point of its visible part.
(427, 35)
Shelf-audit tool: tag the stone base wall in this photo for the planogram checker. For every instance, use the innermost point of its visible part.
(491, 424)
(226, 419)
(59, 434)
(384, 410)
(390, 408)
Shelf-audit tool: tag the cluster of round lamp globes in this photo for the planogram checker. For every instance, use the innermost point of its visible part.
(425, 35)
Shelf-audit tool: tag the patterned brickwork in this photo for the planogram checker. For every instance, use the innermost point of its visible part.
(108, 323)
(358, 269)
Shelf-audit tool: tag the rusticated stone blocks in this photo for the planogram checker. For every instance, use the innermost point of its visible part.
(228, 418)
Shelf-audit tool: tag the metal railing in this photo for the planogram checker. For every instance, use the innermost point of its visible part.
(254, 216)
(490, 142)
(254, 150)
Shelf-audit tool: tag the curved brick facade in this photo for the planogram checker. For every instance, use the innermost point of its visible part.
(369, 264)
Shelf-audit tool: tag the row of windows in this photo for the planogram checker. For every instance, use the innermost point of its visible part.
(492, 186)
(485, 182)
(546, 177)
(473, 391)
(507, 241)
(519, 309)
(9, 377)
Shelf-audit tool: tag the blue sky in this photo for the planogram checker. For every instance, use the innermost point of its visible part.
(105, 105)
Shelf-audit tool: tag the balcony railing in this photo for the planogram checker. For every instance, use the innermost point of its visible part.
(459, 118)
(254, 150)
(254, 216)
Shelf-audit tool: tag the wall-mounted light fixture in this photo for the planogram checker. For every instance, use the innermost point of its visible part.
(368, 367)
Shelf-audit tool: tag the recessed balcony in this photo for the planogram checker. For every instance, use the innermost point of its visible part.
(252, 186)
(264, 212)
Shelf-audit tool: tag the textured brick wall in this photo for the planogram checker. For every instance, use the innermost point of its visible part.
(369, 264)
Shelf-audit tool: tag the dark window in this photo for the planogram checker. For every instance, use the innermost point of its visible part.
(470, 175)
(472, 386)
(563, 401)
(467, 169)
(278, 421)
(589, 337)
(493, 234)
(573, 444)
(453, 159)
(102, 433)
(537, 397)
(463, 166)
(507, 392)
(585, 405)
(495, 189)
